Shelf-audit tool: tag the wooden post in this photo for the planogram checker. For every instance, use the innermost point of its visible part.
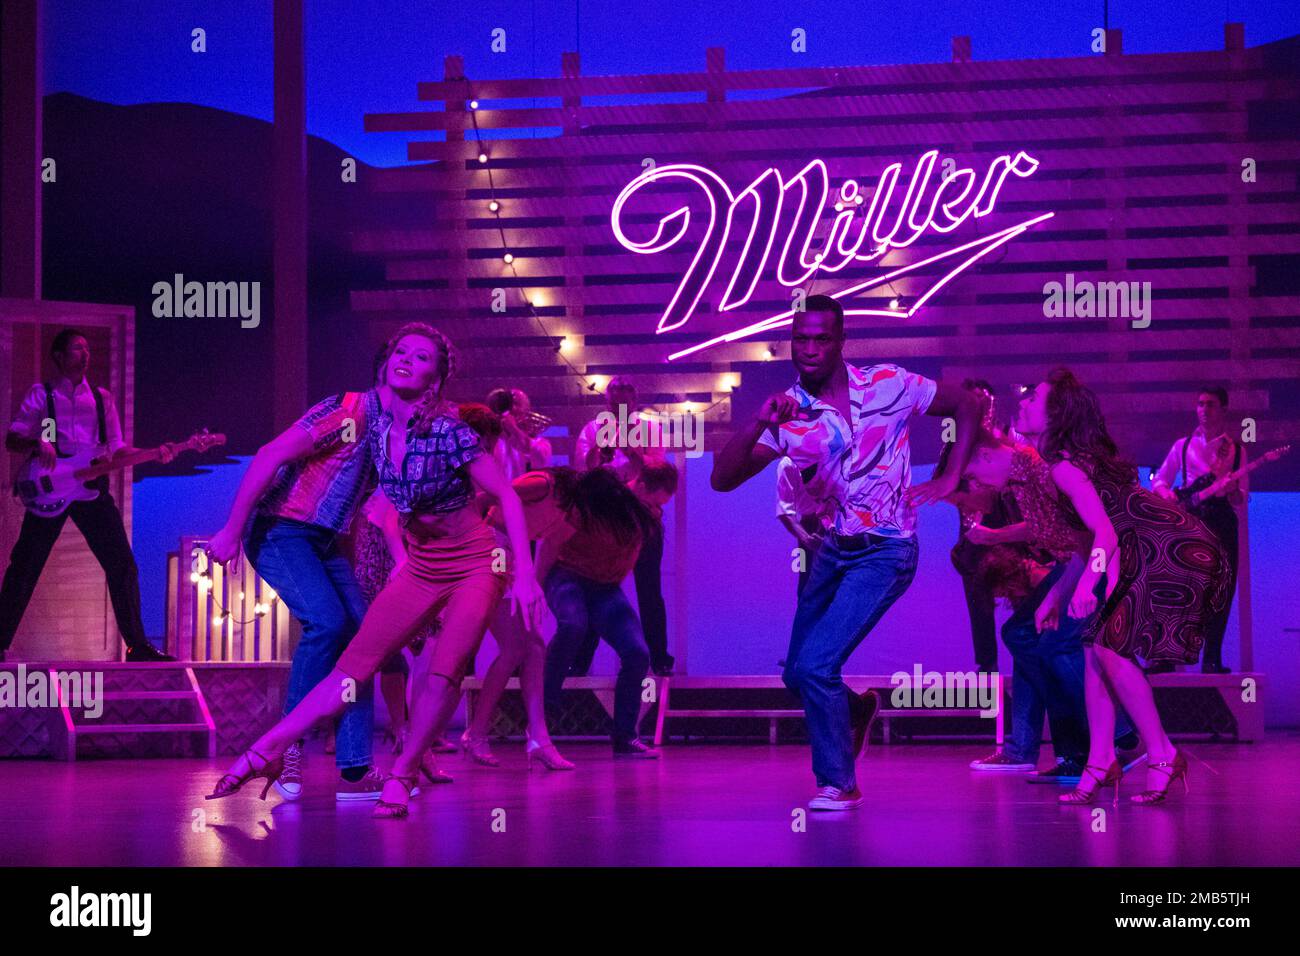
(20, 149)
(681, 619)
(289, 215)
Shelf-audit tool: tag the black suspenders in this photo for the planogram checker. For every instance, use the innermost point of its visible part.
(99, 414)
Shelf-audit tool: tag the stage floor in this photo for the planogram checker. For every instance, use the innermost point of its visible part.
(702, 804)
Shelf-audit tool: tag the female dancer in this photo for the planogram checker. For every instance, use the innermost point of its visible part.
(1160, 574)
(547, 496)
(425, 469)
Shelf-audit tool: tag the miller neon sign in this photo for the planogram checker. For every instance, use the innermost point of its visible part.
(953, 201)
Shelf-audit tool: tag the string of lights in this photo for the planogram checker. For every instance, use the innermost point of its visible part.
(494, 206)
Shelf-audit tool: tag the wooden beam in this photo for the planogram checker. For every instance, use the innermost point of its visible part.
(289, 214)
(20, 149)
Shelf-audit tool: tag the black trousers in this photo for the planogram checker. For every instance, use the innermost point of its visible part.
(1221, 519)
(648, 577)
(100, 523)
(980, 604)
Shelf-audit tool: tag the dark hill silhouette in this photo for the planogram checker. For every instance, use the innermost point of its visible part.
(144, 192)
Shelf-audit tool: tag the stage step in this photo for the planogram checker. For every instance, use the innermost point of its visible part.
(141, 728)
(148, 684)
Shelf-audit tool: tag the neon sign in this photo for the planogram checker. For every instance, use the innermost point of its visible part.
(953, 201)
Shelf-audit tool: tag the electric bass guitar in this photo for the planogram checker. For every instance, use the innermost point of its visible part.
(1207, 486)
(49, 492)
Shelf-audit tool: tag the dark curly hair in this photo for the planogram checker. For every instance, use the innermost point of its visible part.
(1076, 429)
(599, 499)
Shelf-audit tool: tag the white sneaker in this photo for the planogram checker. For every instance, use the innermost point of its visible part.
(289, 786)
(833, 798)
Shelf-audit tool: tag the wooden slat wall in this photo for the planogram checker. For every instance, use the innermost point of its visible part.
(70, 617)
(1141, 163)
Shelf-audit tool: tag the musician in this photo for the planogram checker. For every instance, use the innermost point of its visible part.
(522, 448)
(84, 417)
(1210, 450)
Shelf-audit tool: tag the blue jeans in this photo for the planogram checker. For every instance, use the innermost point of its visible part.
(581, 607)
(846, 594)
(302, 563)
(1048, 675)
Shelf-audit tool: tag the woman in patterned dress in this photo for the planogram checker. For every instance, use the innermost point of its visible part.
(1158, 574)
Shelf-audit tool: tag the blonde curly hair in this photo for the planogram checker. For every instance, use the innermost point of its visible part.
(432, 405)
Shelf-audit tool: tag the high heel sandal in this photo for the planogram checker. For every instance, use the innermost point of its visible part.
(396, 811)
(429, 767)
(1112, 774)
(547, 756)
(478, 750)
(270, 770)
(1175, 769)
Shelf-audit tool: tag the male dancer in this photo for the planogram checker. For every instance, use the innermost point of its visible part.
(301, 491)
(1209, 450)
(84, 417)
(846, 428)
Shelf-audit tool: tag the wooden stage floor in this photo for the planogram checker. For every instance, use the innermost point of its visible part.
(702, 804)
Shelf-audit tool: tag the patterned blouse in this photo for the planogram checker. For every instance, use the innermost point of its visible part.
(432, 477)
(1040, 502)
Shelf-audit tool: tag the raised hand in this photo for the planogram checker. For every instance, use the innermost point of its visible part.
(779, 409)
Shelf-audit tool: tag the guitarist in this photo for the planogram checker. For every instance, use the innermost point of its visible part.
(84, 417)
(1210, 450)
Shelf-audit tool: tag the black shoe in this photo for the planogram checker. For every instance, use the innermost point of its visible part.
(146, 654)
(1208, 668)
(634, 748)
(870, 701)
(1062, 773)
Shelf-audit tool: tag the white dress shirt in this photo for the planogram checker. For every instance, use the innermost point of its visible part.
(1204, 456)
(75, 420)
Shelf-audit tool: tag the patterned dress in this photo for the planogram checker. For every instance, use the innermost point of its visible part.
(1173, 575)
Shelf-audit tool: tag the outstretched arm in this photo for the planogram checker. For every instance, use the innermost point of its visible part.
(291, 444)
(526, 595)
(1105, 542)
(743, 457)
(951, 401)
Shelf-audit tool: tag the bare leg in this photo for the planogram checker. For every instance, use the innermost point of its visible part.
(393, 687)
(425, 714)
(531, 679)
(1101, 711)
(1134, 692)
(327, 699)
(512, 641)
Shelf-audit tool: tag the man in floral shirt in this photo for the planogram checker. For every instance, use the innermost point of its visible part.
(846, 430)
